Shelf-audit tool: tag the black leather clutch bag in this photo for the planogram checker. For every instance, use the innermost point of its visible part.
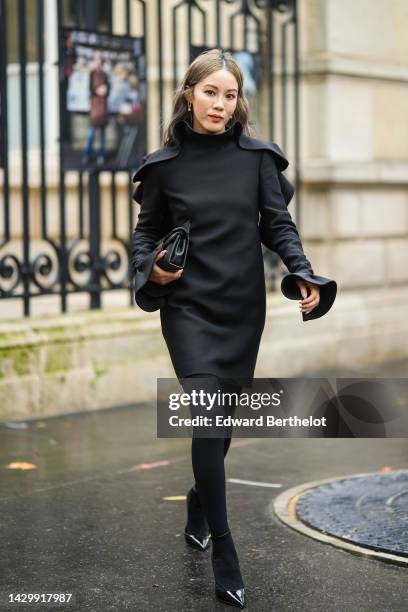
(176, 244)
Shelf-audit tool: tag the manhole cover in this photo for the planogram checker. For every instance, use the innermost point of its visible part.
(370, 510)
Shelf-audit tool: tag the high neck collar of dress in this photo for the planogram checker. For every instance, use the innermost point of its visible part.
(183, 129)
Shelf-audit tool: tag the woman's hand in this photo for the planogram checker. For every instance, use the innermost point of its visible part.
(163, 277)
(308, 303)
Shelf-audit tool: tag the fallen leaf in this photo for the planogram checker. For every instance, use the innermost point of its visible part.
(150, 466)
(174, 497)
(21, 465)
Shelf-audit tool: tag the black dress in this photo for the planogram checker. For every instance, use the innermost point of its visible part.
(213, 316)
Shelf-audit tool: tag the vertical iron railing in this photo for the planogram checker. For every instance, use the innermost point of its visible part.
(72, 261)
(4, 267)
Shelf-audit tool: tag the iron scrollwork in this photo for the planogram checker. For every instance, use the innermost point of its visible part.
(37, 270)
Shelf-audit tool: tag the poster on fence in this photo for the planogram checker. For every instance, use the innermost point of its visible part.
(102, 100)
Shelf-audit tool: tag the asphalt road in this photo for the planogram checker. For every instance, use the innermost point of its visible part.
(92, 519)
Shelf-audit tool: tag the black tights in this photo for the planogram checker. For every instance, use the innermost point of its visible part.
(207, 455)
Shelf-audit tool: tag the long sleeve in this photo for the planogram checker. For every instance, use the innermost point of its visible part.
(149, 229)
(278, 232)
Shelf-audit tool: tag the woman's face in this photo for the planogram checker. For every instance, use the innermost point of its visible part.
(214, 100)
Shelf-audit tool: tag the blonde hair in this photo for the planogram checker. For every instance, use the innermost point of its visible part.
(206, 63)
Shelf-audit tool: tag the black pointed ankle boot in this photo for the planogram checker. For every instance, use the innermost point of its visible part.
(229, 586)
(196, 532)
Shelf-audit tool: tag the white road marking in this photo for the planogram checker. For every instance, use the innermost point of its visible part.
(255, 483)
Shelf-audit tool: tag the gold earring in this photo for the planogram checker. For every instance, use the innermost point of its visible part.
(189, 107)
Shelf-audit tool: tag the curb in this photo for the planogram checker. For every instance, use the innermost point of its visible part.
(284, 507)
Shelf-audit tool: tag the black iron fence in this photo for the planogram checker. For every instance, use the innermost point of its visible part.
(66, 230)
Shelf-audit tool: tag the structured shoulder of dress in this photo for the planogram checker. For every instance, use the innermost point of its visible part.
(166, 152)
(281, 161)
(255, 144)
(245, 142)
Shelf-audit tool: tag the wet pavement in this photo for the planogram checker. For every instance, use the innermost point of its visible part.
(101, 515)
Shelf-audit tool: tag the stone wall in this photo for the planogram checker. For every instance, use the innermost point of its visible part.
(355, 140)
(91, 360)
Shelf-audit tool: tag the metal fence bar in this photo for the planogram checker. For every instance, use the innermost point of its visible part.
(296, 93)
(63, 277)
(270, 73)
(25, 195)
(40, 46)
(3, 126)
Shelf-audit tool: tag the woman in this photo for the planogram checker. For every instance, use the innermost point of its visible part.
(99, 89)
(229, 185)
